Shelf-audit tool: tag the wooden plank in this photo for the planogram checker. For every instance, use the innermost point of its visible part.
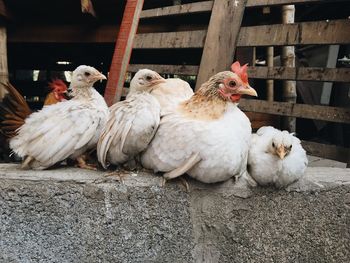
(185, 9)
(206, 6)
(325, 113)
(258, 3)
(304, 73)
(166, 69)
(186, 39)
(320, 32)
(3, 10)
(327, 151)
(222, 35)
(122, 52)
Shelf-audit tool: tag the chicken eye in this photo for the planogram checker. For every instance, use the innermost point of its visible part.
(87, 74)
(232, 83)
(273, 144)
(290, 147)
(148, 78)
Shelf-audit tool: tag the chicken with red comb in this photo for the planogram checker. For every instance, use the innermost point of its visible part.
(206, 136)
(58, 92)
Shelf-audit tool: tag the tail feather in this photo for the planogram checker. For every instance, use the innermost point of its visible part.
(13, 111)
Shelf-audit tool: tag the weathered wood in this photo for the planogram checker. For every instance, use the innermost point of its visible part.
(122, 52)
(187, 39)
(327, 151)
(206, 6)
(309, 73)
(220, 43)
(289, 88)
(169, 69)
(192, 8)
(325, 113)
(257, 3)
(269, 82)
(3, 60)
(305, 33)
(3, 10)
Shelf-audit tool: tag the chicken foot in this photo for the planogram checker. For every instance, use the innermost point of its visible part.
(82, 164)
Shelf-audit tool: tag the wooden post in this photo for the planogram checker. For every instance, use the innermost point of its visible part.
(288, 60)
(269, 82)
(122, 51)
(220, 43)
(3, 60)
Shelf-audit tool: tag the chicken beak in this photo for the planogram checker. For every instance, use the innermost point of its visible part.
(281, 152)
(157, 81)
(98, 76)
(248, 90)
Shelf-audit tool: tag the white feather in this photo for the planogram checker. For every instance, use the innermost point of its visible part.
(63, 130)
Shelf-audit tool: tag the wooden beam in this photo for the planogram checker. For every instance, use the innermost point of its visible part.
(327, 151)
(220, 43)
(184, 9)
(305, 33)
(122, 52)
(166, 69)
(325, 113)
(304, 73)
(206, 6)
(186, 39)
(4, 77)
(3, 10)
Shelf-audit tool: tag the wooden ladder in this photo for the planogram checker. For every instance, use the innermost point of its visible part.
(218, 41)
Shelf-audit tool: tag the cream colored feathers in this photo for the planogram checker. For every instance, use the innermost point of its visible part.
(64, 130)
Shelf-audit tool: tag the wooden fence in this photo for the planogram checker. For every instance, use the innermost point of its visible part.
(217, 44)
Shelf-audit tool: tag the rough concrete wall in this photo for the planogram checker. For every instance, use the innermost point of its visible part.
(71, 215)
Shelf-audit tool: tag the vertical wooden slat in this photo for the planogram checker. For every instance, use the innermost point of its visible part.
(122, 51)
(3, 59)
(222, 35)
(270, 82)
(288, 60)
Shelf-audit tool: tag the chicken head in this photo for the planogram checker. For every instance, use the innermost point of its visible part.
(145, 79)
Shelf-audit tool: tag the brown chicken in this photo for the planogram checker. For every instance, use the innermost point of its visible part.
(14, 109)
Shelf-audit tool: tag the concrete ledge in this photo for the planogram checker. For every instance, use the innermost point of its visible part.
(73, 215)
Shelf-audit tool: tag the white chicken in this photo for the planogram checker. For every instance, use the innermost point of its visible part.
(207, 136)
(276, 157)
(133, 122)
(66, 129)
(169, 92)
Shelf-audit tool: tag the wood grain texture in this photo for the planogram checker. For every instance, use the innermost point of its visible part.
(305, 33)
(198, 7)
(327, 151)
(332, 114)
(307, 73)
(163, 69)
(222, 35)
(185, 39)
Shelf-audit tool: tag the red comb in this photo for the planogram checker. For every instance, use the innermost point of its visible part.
(240, 71)
(57, 82)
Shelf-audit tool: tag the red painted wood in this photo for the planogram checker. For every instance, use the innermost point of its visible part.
(122, 51)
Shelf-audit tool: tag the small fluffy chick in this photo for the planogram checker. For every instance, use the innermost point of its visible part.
(276, 157)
